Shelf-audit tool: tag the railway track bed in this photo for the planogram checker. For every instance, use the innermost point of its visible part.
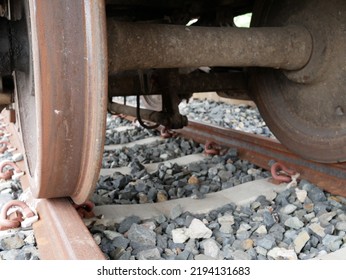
(237, 221)
(220, 207)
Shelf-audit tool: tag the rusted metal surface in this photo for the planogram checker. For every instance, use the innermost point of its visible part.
(184, 84)
(61, 234)
(260, 151)
(142, 46)
(5, 58)
(64, 149)
(306, 109)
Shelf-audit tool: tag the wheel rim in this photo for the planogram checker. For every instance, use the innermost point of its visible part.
(306, 109)
(61, 111)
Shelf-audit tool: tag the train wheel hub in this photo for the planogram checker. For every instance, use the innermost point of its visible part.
(305, 108)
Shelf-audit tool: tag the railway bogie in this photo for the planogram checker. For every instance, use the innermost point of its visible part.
(62, 62)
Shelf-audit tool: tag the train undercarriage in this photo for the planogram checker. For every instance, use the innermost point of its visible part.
(62, 62)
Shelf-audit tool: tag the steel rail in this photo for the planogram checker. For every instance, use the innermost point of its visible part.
(261, 151)
(60, 232)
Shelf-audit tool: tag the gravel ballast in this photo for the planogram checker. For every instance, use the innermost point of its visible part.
(299, 223)
(16, 244)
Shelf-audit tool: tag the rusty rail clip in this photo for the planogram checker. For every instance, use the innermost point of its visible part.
(14, 220)
(85, 210)
(8, 173)
(283, 174)
(166, 133)
(211, 148)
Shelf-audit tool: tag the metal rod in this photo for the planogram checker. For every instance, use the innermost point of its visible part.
(143, 46)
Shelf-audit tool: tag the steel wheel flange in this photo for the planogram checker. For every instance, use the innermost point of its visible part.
(306, 109)
(61, 101)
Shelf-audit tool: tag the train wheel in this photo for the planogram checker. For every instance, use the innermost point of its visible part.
(61, 98)
(306, 109)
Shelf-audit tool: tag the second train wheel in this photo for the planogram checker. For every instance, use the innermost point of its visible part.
(61, 98)
(306, 109)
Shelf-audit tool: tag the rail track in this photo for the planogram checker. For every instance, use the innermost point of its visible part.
(62, 234)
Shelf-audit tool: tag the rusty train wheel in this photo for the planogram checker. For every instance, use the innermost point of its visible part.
(306, 109)
(61, 97)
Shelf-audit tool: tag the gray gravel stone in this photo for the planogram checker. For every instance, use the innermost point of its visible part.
(14, 241)
(150, 254)
(142, 235)
(288, 209)
(332, 242)
(127, 223)
(120, 242)
(325, 218)
(303, 220)
(268, 219)
(176, 212)
(341, 226)
(267, 242)
(316, 194)
(294, 223)
(240, 255)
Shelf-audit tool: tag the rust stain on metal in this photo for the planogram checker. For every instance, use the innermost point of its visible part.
(172, 46)
(70, 63)
(62, 235)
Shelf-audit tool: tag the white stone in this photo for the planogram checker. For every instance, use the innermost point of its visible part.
(261, 230)
(282, 254)
(288, 209)
(17, 157)
(317, 229)
(211, 248)
(179, 235)
(198, 229)
(228, 218)
(301, 195)
(164, 156)
(243, 227)
(226, 223)
(300, 241)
